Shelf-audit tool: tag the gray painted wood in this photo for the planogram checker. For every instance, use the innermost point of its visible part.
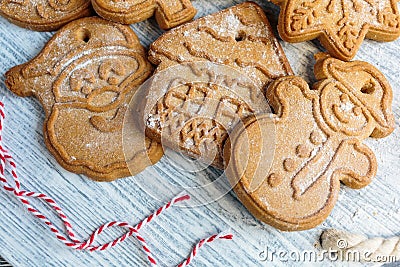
(374, 210)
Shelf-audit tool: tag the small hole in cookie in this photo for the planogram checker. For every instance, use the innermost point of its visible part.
(240, 37)
(83, 34)
(368, 88)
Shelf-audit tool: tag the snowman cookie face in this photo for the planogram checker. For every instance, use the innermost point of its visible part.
(85, 78)
(354, 98)
(318, 144)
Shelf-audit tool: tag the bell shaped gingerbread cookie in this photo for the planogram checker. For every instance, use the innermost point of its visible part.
(85, 78)
(341, 26)
(168, 13)
(44, 15)
(287, 168)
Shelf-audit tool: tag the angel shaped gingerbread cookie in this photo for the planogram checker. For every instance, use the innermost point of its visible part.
(44, 15)
(168, 13)
(85, 77)
(318, 143)
(340, 25)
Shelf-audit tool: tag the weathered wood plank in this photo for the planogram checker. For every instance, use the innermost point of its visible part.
(374, 210)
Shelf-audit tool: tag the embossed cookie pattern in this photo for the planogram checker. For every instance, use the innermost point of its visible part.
(319, 135)
(168, 13)
(43, 15)
(341, 25)
(239, 37)
(85, 77)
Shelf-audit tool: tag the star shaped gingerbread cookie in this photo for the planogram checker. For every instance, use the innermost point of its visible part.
(340, 25)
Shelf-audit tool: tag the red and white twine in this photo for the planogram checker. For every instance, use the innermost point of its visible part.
(69, 237)
(202, 243)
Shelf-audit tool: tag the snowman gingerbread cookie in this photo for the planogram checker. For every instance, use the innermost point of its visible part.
(318, 139)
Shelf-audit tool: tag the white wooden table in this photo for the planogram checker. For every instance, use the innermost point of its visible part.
(24, 241)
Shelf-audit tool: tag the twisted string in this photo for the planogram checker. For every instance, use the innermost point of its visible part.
(376, 248)
(202, 243)
(69, 237)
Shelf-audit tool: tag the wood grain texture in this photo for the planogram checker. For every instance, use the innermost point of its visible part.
(24, 241)
(4, 263)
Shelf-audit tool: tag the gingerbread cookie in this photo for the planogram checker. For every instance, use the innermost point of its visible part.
(168, 13)
(85, 77)
(239, 38)
(318, 143)
(341, 26)
(44, 15)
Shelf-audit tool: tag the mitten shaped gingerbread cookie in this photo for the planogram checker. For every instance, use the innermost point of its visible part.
(85, 77)
(168, 13)
(44, 15)
(237, 49)
(318, 143)
(341, 26)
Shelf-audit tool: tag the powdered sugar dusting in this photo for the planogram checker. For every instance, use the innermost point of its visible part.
(227, 37)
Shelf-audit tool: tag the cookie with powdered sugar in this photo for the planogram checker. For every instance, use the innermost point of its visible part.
(85, 77)
(44, 15)
(230, 57)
